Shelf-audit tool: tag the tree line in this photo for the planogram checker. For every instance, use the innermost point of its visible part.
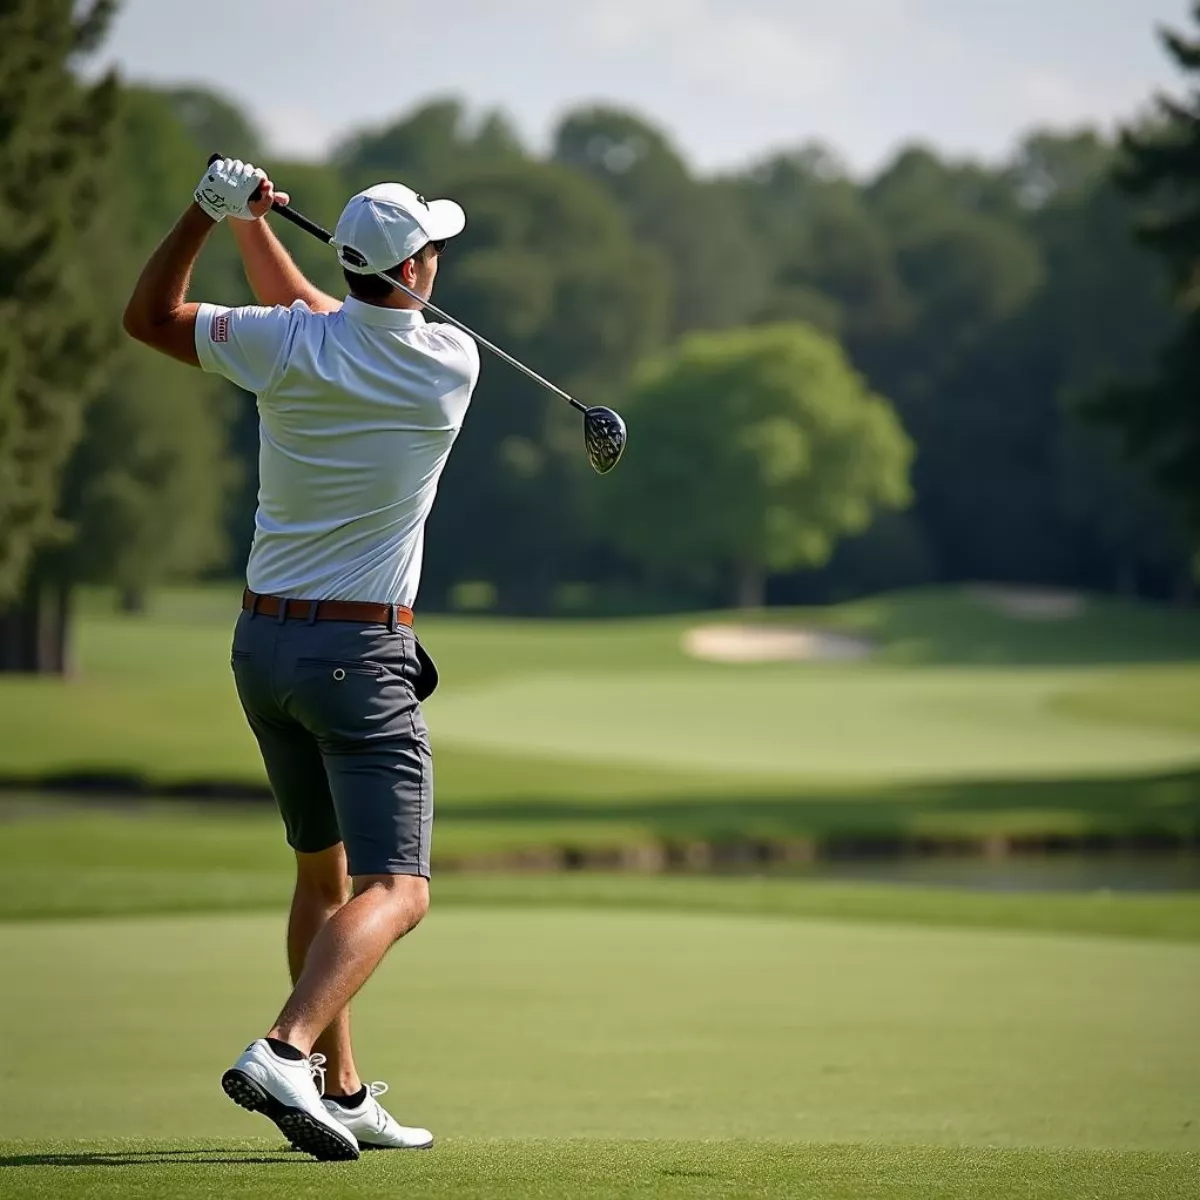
(947, 370)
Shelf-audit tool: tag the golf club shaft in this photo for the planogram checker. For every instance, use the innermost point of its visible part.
(300, 220)
(309, 226)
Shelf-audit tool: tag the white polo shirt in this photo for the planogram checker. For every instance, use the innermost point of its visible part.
(358, 410)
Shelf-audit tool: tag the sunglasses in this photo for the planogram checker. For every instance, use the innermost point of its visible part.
(439, 246)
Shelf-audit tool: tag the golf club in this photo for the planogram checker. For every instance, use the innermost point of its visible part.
(604, 432)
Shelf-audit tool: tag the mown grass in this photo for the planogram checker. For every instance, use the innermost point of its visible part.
(482, 1169)
(967, 724)
(593, 1052)
(630, 1035)
(70, 863)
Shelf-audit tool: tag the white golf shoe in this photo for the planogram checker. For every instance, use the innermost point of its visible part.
(282, 1089)
(374, 1127)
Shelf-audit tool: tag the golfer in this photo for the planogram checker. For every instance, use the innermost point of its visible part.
(359, 401)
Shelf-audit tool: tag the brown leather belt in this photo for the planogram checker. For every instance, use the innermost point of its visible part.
(362, 611)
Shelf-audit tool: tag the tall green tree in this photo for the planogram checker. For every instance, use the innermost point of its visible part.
(832, 262)
(717, 269)
(428, 146)
(164, 138)
(54, 338)
(215, 123)
(547, 269)
(143, 496)
(146, 490)
(1159, 420)
(755, 452)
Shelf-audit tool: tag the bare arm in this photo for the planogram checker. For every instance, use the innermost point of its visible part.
(274, 277)
(158, 313)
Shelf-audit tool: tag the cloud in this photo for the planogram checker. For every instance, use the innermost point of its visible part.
(1043, 94)
(768, 49)
(297, 131)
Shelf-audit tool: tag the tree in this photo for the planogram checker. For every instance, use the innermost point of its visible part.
(917, 186)
(1019, 315)
(214, 124)
(1159, 420)
(1051, 167)
(547, 269)
(1100, 316)
(751, 452)
(146, 489)
(717, 270)
(428, 147)
(833, 264)
(142, 497)
(54, 339)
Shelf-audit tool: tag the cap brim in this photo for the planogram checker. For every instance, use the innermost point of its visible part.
(446, 220)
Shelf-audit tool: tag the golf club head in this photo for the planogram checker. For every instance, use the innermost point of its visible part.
(604, 436)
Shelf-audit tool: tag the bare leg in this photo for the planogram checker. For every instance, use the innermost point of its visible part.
(322, 887)
(346, 951)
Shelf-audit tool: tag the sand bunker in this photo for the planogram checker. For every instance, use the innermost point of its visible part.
(772, 643)
(1030, 604)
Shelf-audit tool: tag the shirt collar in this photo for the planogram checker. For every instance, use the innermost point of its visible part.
(384, 318)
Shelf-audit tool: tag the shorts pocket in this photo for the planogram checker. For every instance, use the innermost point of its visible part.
(338, 669)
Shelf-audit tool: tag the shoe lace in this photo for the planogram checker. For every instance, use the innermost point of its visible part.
(374, 1090)
(316, 1067)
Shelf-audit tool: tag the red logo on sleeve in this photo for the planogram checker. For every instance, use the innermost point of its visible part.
(219, 330)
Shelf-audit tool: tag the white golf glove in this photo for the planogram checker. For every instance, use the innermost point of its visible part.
(226, 186)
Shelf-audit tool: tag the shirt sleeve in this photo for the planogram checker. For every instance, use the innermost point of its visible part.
(245, 345)
(465, 351)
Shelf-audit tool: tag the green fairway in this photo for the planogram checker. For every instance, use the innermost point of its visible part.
(599, 1036)
(964, 723)
(833, 724)
(479, 1169)
(169, 859)
(839, 1045)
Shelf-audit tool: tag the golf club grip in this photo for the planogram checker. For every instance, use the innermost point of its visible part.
(299, 219)
(287, 213)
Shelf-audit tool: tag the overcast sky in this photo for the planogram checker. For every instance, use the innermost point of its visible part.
(728, 79)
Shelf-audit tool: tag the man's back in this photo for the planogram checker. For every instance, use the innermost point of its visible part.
(359, 410)
(360, 404)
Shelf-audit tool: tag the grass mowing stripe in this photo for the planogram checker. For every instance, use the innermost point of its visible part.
(958, 692)
(844, 724)
(499, 1023)
(170, 860)
(155, 697)
(475, 1169)
(1158, 916)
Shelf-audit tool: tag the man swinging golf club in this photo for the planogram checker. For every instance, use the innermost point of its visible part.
(360, 401)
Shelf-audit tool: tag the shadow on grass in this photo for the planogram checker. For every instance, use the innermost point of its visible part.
(955, 626)
(1139, 811)
(200, 1156)
(1128, 812)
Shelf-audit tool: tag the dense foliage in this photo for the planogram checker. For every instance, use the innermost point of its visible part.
(976, 310)
(54, 339)
(1159, 419)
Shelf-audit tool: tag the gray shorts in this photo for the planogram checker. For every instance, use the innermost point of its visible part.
(346, 748)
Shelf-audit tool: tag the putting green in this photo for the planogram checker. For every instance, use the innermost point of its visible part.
(956, 692)
(830, 723)
(562, 1025)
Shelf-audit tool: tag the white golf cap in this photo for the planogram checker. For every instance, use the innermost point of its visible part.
(390, 222)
